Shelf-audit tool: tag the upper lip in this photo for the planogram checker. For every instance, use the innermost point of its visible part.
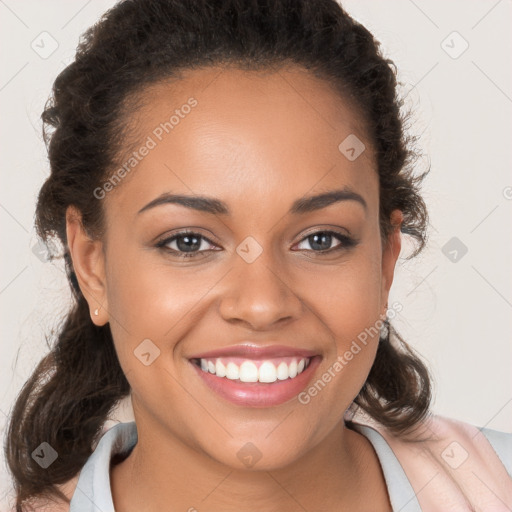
(250, 351)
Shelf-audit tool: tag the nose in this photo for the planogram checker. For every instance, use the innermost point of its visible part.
(259, 295)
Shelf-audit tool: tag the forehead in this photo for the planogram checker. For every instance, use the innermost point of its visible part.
(243, 135)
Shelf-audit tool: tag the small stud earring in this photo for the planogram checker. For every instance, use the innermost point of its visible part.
(96, 312)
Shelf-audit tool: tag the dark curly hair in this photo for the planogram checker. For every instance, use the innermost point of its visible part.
(137, 43)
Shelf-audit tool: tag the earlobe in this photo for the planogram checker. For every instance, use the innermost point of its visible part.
(88, 263)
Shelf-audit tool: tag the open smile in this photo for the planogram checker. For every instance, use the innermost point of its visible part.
(256, 377)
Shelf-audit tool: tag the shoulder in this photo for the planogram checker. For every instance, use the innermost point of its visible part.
(456, 460)
(454, 435)
(502, 445)
(492, 446)
(453, 441)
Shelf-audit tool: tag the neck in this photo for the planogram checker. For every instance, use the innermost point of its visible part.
(340, 473)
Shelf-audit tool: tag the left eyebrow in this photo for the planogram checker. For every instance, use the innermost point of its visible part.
(312, 203)
(217, 207)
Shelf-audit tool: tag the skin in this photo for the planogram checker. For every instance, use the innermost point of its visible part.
(257, 141)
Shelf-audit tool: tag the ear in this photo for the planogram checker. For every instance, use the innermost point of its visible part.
(390, 253)
(89, 265)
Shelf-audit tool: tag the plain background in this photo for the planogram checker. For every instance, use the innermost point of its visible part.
(456, 305)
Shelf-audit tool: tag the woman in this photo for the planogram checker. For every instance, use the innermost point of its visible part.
(230, 183)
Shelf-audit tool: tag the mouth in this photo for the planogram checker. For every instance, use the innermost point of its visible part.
(255, 381)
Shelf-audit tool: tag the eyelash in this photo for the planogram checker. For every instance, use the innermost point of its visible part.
(346, 243)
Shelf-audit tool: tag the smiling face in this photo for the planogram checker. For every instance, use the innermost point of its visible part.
(266, 265)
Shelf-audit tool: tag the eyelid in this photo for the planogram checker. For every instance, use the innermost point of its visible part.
(325, 229)
(185, 231)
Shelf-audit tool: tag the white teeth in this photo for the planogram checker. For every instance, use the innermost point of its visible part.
(248, 371)
(292, 369)
(282, 371)
(232, 371)
(268, 372)
(220, 369)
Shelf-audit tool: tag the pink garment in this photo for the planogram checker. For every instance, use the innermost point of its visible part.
(452, 466)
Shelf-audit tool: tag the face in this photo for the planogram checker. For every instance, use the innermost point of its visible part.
(259, 265)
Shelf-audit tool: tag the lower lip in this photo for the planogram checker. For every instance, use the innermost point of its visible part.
(258, 394)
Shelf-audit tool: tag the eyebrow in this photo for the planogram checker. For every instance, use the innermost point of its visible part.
(216, 207)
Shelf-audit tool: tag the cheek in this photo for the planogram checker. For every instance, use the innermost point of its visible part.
(349, 307)
(153, 309)
(156, 301)
(349, 300)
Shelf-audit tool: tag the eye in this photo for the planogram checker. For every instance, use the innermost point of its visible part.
(321, 241)
(185, 244)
